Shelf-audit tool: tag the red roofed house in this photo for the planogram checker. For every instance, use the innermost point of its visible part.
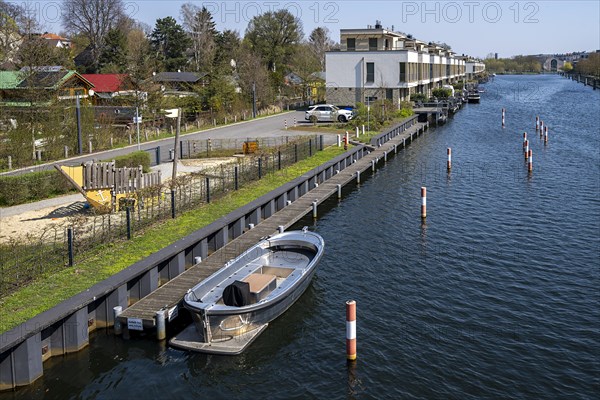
(56, 40)
(109, 86)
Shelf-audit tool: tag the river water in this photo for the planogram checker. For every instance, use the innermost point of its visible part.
(496, 296)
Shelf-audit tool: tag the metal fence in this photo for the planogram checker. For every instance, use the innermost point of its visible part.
(79, 237)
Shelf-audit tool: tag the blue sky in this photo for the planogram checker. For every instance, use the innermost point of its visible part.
(471, 27)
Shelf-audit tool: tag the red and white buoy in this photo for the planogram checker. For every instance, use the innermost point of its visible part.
(530, 161)
(423, 202)
(537, 124)
(449, 165)
(351, 330)
(524, 139)
(546, 135)
(541, 128)
(526, 148)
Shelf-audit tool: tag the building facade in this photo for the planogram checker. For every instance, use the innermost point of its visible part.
(376, 63)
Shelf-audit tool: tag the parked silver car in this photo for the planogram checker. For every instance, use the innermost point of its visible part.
(327, 113)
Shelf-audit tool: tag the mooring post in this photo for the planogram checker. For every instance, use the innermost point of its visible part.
(280, 228)
(449, 164)
(118, 328)
(161, 331)
(351, 330)
(530, 161)
(339, 191)
(423, 202)
(524, 140)
(357, 176)
(373, 165)
(314, 207)
(70, 245)
(385, 156)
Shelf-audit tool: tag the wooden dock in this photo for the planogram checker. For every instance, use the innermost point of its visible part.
(170, 295)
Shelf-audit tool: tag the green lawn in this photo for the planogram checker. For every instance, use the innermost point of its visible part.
(53, 288)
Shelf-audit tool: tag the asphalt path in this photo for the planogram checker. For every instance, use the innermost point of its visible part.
(271, 126)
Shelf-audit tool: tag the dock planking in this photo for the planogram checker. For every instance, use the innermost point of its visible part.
(172, 292)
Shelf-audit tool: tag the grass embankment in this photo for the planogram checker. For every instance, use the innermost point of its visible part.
(101, 263)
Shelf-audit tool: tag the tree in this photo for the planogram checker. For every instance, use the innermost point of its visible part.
(274, 35)
(304, 63)
(113, 57)
(319, 42)
(252, 73)
(169, 43)
(93, 19)
(199, 24)
(228, 48)
(567, 67)
(10, 38)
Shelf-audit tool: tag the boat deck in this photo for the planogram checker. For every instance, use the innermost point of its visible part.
(171, 293)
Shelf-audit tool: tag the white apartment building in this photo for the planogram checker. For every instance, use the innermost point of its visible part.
(376, 63)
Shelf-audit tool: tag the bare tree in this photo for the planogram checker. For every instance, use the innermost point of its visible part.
(198, 23)
(320, 42)
(93, 19)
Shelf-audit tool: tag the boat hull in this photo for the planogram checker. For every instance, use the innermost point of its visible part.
(223, 329)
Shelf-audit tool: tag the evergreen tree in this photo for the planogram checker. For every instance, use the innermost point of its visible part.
(113, 58)
(170, 43)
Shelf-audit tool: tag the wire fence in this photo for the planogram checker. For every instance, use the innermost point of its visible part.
(74, 239)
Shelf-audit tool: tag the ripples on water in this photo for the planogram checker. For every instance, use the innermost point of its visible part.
(495, 297)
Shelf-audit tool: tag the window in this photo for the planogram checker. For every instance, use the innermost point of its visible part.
(372, 44)
(370, 99)
(370, 72)
(351, 44)
(402, 72)
(389, 94)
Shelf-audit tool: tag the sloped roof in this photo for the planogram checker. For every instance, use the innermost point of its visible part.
(187, 77)
(106, 83)
(54, 37)
(41, 78)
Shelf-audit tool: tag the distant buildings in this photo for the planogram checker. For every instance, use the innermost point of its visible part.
(377, 63)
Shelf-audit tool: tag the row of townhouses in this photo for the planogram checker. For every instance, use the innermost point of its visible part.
(376, 63)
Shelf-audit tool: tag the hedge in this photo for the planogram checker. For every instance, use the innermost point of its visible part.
(15, 190)
(133, 160)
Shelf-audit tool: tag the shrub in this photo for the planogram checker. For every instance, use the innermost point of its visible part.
(418, 97)
(133, 160)
(15, 190)
(442, 93)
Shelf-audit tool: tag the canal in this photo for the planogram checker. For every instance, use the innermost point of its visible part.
(495, 296)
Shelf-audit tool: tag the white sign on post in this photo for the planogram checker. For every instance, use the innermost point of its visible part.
(135, 324)
(137, 120)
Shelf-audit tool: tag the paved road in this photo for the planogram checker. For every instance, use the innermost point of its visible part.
(271, 126)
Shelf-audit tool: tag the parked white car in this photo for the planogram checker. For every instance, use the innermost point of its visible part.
(328, 113)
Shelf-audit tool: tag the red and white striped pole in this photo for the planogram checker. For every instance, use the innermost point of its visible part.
(423, 202)
(530, 161)
(449, 159)
(351, 330)
(526, 148)
(546, 135)
(537, 124)
(524, 140)
(503, 114)
(541, 128)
